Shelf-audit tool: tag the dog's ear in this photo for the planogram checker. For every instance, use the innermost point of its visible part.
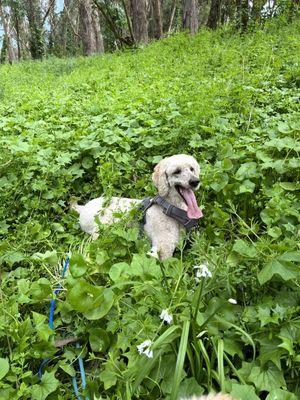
(159, 178)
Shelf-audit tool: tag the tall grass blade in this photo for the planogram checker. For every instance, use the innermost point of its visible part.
(180, 359)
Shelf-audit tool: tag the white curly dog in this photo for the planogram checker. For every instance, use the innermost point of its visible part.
(219, 396)
(176, 178)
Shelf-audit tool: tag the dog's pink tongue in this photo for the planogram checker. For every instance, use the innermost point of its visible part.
(193, 210)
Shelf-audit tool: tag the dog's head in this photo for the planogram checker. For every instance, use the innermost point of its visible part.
(179, 175)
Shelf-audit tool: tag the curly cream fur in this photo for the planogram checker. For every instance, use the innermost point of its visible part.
(219, 396)
(163, 231)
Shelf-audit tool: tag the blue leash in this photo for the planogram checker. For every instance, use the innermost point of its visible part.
(51, 325)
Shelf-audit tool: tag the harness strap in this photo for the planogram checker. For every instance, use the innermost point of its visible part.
(171, 211)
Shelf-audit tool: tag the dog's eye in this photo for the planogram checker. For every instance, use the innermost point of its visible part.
(192, 169)
(177, 171)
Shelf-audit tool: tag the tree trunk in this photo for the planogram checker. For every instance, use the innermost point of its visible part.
(190, 16)
(214, 14)
(97, 32)
(3, 51)
(7, 43)
(158, 27)
(174, 5)
(256, 9)
(36, 41)
(139, 20)
(15, 13)
(87, 32)
(242, 12)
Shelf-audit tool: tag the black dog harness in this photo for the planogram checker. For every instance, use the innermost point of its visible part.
(171, 211)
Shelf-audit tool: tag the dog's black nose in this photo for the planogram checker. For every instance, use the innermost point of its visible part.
(194, 182)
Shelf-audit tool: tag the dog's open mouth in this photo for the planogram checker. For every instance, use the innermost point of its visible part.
(193, 210)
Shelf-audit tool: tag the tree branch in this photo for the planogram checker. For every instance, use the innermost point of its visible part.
(128, 21)
(51, 4)
(70, 20)
(110, 23)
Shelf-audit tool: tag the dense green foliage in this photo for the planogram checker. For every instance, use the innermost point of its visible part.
(79, 128)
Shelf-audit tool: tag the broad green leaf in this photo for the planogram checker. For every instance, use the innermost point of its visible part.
(190, 387)
(119, 271)
(84, 297)
(219, 182)
(243, 392)
(99, 339)
(50, 257)
(290, 256)
(284, 269)
(41, 289)
(13, 257)
(267, 378)
(107, 301)
(278, 394)
(247, 170)
(245, 249)
(78, 265)
(291, 186)
(4, 367)
(246, 186)
(47, 385)
(269, 351)
(274, 232)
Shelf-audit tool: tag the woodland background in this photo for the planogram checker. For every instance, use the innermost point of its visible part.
(37, 28)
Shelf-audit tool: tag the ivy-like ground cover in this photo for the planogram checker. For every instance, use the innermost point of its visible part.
(79, 128)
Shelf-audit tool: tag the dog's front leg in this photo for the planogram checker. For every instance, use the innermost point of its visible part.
(165, 247)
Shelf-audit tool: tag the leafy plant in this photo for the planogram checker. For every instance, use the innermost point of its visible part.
(80, 128)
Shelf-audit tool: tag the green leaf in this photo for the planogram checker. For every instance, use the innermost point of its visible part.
(247, 170)
(119, 271)
(278, 394)
(68, 368)
(4, 367)
(267, 378)
(264, 315)
(13, 257)
(41, 289)
(243, 392)
(50, 257)
(78, 265)
(84, 297)
(243, 248)
(291, 186)
(48, 385)
(285, 270)
(274, 232)
(107, 302)
(180, 359)
(190, 387)
(99, 339)
(219, 182)
(269, 351)
(246, 186)
(290, 256)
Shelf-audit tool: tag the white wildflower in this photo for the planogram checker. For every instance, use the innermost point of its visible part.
(232, 301)
(165, 316)
(144, 348)
(148, 352)
(202, 271)
(153, 252)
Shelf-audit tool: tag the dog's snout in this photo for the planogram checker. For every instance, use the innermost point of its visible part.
(194, 182)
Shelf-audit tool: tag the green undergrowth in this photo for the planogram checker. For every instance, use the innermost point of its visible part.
(79, 128)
